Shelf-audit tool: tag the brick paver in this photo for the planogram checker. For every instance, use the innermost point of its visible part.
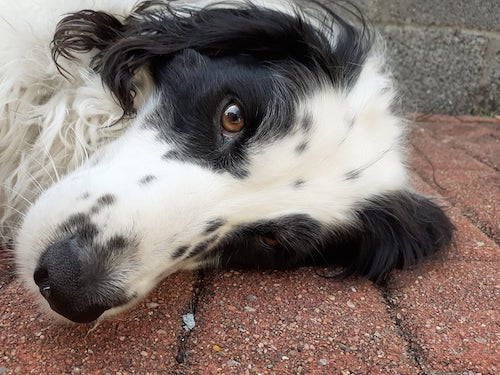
(295, 323)
(463, 167)
(441, 318)
(449, 315)
(145, 339)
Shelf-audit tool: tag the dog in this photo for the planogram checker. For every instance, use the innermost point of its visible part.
(141, 139)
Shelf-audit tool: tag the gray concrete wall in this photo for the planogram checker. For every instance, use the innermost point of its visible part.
(445, 54)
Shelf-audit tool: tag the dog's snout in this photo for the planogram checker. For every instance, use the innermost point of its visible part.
(62, 281)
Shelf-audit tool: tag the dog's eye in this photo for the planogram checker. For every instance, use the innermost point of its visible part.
(270, 241)
(232, 120)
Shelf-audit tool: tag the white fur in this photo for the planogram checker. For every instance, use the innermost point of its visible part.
(48, 124)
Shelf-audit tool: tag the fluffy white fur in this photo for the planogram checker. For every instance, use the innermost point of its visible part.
(49, 125)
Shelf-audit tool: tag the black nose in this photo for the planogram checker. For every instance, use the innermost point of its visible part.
(68, 280)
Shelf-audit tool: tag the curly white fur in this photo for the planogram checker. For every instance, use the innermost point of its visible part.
(48, 124)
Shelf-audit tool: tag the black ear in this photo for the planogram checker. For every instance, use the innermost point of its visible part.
(395, 230)
(332, 47)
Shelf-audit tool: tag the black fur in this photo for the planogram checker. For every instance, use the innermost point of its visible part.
(155, 32)
(193, 90)
(396, 230)
(146, 180)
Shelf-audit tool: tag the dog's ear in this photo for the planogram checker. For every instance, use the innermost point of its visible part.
(90, 31)
(395, 230)
(157, 30)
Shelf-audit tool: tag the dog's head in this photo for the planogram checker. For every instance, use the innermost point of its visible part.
(267, 141)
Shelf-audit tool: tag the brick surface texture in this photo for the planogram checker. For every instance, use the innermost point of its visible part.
(440, 318)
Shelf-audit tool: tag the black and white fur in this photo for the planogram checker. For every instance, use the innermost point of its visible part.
(128, 194)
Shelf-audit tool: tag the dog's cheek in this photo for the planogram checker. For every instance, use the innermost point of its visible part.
(286, 242)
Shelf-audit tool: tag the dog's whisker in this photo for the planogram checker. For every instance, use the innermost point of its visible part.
(17, 193)
(52, 164)
(39, 162)
(21, 214)
(40, 188)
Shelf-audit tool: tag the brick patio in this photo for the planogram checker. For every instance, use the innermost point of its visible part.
(442, 318)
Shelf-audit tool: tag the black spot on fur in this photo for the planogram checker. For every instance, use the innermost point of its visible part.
(301, 147)
(180, 252)
(198, 249)
(106, 200)
(77, 220)
(103, 201)
(172, 155)
(85, 196)
(147, 179)
(298, 184)
(213, 225)
(306, 122)
(116, 242)
(353, 175)
(202, 247)
(80, 226)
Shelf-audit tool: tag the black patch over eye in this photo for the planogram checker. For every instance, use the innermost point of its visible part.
(232, 119)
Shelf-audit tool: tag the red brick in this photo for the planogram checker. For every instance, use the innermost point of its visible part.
(452, 120)
(143, 340)
(469, 184)
(471, 243)
(7, 269)
(481, 141)
(294, 322)
(450, 314)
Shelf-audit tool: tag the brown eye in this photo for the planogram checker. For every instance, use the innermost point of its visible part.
(232, 120)
(270, 241)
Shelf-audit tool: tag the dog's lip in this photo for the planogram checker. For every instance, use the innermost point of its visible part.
(96, 312)
(101, 313)
(81, 317)
(90, 318)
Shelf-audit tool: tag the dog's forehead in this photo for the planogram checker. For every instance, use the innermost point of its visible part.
(192, 81)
